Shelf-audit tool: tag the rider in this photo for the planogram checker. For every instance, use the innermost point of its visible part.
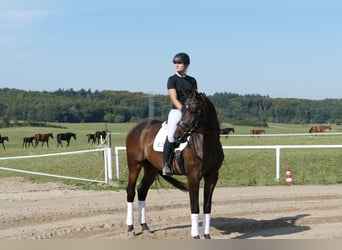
(177, 85)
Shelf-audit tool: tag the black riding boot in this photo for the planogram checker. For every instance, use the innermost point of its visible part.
(167, 156)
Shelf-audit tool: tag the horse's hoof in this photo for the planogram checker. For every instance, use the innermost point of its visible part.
(197, 237)
(207, 236)
(130, 231)
(145, 229)
(146, 232)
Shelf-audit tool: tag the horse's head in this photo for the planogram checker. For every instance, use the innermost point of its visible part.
(191, 112)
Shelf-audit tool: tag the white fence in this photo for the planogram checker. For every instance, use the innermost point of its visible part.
(276, 147)
(107, 157)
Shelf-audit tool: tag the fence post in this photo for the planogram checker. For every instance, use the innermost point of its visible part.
(117, 163)
(277, 163)
(105, 160)
(109, 167)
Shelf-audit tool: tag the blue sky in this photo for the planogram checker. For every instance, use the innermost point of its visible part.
(284, 48)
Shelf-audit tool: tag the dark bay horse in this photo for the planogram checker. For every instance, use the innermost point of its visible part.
(2, 139)
(43, 138)
(100, 136)
(65, 137)
(226, 131)
(319, 129)
(202, 159)
(91, 138)
(27, 141)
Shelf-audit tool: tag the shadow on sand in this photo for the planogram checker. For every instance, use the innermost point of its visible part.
(249, 228)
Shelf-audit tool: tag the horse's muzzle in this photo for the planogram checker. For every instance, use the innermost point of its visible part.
(179, 138)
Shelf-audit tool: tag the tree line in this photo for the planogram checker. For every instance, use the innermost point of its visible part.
(68, 105)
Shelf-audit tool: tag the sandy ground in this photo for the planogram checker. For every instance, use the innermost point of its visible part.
(56, 211)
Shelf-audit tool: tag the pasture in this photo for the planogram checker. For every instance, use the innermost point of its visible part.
(240, 167)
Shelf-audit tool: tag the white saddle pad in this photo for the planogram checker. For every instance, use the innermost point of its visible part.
(159, 140)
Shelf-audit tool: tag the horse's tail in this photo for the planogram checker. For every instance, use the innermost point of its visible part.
(310, 131)
(176, 183)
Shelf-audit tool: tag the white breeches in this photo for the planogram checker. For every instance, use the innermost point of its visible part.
(174, 117)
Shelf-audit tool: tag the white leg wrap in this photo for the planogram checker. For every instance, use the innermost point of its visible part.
(129, 219)
(142, 212)
(206, 224)
(194, 225)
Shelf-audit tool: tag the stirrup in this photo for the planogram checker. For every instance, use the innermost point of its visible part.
(167, 170)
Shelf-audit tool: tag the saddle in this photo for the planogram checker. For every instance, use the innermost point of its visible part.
(158, 145)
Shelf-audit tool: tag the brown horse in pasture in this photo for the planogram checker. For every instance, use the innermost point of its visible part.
(257, 131)
(319, 129)
(43, 138)
(200, 159)
(27, 141)
(2, 139)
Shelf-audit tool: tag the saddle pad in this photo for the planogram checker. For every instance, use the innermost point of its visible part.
(159, 140)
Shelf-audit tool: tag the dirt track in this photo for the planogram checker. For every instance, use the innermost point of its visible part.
(55, 211)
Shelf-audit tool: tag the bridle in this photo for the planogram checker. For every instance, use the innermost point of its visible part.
(189, 128)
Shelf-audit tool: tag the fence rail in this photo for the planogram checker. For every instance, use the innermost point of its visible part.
(106, 157)
(277, 149)
(290, 134)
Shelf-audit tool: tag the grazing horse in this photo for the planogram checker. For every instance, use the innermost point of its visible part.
(43, 138)
(27, 141)
(65, 137)
(319, 129)
(2, 139)
(201, 159)
(92, 138)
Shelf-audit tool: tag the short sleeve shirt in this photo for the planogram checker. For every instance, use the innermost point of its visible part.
(186, 84)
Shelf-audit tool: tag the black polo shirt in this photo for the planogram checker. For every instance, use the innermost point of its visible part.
(186, 84)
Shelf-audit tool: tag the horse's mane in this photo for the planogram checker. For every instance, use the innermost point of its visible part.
(211, 123)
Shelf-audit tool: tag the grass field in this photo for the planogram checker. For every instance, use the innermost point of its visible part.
(240, 167)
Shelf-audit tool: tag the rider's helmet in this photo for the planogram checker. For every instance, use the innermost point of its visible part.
(181, 58)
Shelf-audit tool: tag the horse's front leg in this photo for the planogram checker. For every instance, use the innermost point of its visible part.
(209, 186)
(193, 183)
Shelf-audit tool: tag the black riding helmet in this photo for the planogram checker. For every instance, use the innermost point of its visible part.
(181, 58)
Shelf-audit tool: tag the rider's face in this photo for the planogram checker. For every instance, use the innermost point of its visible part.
(180, 67)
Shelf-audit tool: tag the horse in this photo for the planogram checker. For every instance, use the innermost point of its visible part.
(27, 141)
(65, 137)
(319, 129)
(257, 131)
(43, 138)
(226, 131)
(92, 138)
(2, 139)
(100, 135)
(201, 159)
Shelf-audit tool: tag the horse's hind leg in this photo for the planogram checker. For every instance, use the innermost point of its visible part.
(149, 176)
(134, 168)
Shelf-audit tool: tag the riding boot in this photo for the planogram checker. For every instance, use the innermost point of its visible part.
(167, 157)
